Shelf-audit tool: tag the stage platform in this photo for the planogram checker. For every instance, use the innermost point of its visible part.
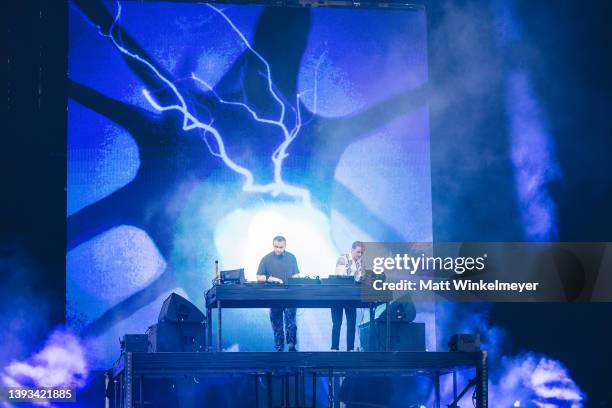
(132, 368)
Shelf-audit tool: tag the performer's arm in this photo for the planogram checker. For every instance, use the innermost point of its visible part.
(268, 278)
(296, 270)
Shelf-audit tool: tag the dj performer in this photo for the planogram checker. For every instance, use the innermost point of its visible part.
(277, 267)
(347, 265)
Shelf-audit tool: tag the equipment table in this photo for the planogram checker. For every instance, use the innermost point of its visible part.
(270, 295)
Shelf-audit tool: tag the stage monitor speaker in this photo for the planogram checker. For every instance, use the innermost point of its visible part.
(178, 309)
(404, 336)
(399, 311)
(177, 337)
(134, 343)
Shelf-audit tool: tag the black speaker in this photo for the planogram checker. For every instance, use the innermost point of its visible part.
(134, 343)
(398, 311)
(177, 337)
(178, 309)
(404, 336)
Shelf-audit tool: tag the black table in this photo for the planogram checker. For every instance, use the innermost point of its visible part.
(270, 295)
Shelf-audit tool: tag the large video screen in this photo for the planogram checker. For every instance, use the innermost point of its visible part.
(198, 132)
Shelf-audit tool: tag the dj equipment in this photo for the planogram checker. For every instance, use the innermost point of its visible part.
(178, 309)
(339, 280)
(134, 343)
(464, 342)
(232, 276)
(403, 336)
(263, 295)
(254, 295)
(304, 281)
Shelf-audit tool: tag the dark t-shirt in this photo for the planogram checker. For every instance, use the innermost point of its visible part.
(282, 267)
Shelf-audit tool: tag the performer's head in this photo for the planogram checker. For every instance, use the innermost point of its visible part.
(357, 250)
(279, 243)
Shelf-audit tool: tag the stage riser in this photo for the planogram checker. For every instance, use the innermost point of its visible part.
(321, 362)
(134, 369)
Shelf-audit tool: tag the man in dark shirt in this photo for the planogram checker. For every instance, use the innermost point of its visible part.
(277, 267)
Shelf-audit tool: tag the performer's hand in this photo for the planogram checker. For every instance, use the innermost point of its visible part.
(273, 279)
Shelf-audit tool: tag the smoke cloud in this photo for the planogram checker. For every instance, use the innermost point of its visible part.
(515, 380)
(61, 362)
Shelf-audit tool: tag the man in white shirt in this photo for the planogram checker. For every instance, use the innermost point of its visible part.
(347, 265)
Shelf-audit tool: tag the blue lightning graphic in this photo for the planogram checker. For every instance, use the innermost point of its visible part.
(190, 121)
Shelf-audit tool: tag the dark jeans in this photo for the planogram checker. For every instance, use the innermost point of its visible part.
(276, 318)
(351, 320)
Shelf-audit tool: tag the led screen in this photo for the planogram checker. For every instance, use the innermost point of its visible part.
(198, 132)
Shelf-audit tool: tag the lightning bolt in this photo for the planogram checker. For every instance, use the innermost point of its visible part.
(278, 186)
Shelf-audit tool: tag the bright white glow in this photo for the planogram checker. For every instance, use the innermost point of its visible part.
(244, 236)
(517, 403)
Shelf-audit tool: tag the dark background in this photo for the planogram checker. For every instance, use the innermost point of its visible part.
(571, 76)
